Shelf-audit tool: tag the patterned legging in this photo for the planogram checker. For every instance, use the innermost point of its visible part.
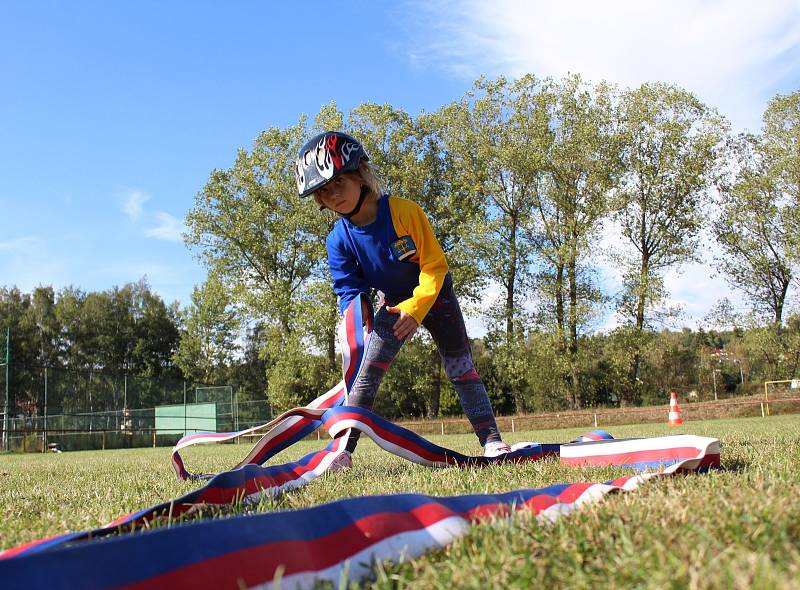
(446, 325)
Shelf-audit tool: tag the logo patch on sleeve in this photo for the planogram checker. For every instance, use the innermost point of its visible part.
(403, 248)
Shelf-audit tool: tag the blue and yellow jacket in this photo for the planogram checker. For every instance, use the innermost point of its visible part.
(397, 254)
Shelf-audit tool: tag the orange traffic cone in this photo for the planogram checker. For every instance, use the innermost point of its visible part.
(674, 410)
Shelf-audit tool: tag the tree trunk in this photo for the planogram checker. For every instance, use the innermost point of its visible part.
(778, 307)
(559, 294)
(639, 329)
(573, 334)
(512, 274)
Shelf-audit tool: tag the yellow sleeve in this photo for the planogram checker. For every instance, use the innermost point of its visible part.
(409, 219)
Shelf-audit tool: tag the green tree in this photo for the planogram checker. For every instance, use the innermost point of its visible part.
(670, 145)
(781, 149)
(265, 246)
(208, 338)
(253, 231)
(157, 337)
(43, 303)
(72, 343)
(455, 210)
(414, 385)
(756, 230)
(294, 376)
(583, 164)
(494, 137)
(249, 373)
(18, 315)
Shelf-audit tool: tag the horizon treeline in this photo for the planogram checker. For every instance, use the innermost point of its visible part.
(87, 339)
(130, 331)
(532, 186)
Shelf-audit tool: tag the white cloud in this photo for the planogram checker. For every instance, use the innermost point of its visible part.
(133, 205)
(169, 228)
(735, 54)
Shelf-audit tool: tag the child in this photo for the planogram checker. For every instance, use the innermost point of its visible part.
(387, 243)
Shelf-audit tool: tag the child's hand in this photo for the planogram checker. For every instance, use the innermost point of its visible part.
(406, 326)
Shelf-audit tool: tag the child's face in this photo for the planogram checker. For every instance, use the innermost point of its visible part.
(341, 194)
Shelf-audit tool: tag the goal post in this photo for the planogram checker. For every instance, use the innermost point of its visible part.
(781, 388)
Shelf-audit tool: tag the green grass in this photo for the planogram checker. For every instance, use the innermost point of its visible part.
(734, 528)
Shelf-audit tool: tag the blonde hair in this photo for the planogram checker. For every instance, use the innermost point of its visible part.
(369, 178)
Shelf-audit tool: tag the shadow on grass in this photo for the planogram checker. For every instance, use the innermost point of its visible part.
(733, 466)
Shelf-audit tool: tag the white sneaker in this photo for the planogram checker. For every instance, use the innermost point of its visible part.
(495, 448)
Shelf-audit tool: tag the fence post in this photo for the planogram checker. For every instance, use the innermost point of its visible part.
(184, 410)
(512, 425)
(235, 410)
(104, 440)
(442, 428)
(154, 438)
(595, 420)
(91, 409)
(44, 437)
(763, 415)
(6, 409)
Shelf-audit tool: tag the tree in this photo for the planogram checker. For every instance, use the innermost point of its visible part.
(264, 244)
(208, 338)
(495, 136)
(17, 315)
(414, 386)
(456, 212)
(67, 312)
(43, 302)
(781, 148)
(582, 165)
(253, 231)
(756, 230)
(156, 336)
(670, 149)
(250, 371)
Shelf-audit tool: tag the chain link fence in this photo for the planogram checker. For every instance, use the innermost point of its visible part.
(60, 409)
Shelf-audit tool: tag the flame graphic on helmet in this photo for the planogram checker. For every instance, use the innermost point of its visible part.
(323, 160)
(331, 146)
(300, 174)
(348, 149)
(332, 155)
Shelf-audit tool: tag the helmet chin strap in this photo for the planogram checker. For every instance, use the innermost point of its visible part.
(357, 208)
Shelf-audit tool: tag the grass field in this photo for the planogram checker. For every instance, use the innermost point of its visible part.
(738, 527)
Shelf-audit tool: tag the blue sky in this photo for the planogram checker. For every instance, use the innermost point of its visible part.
(112, 114)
